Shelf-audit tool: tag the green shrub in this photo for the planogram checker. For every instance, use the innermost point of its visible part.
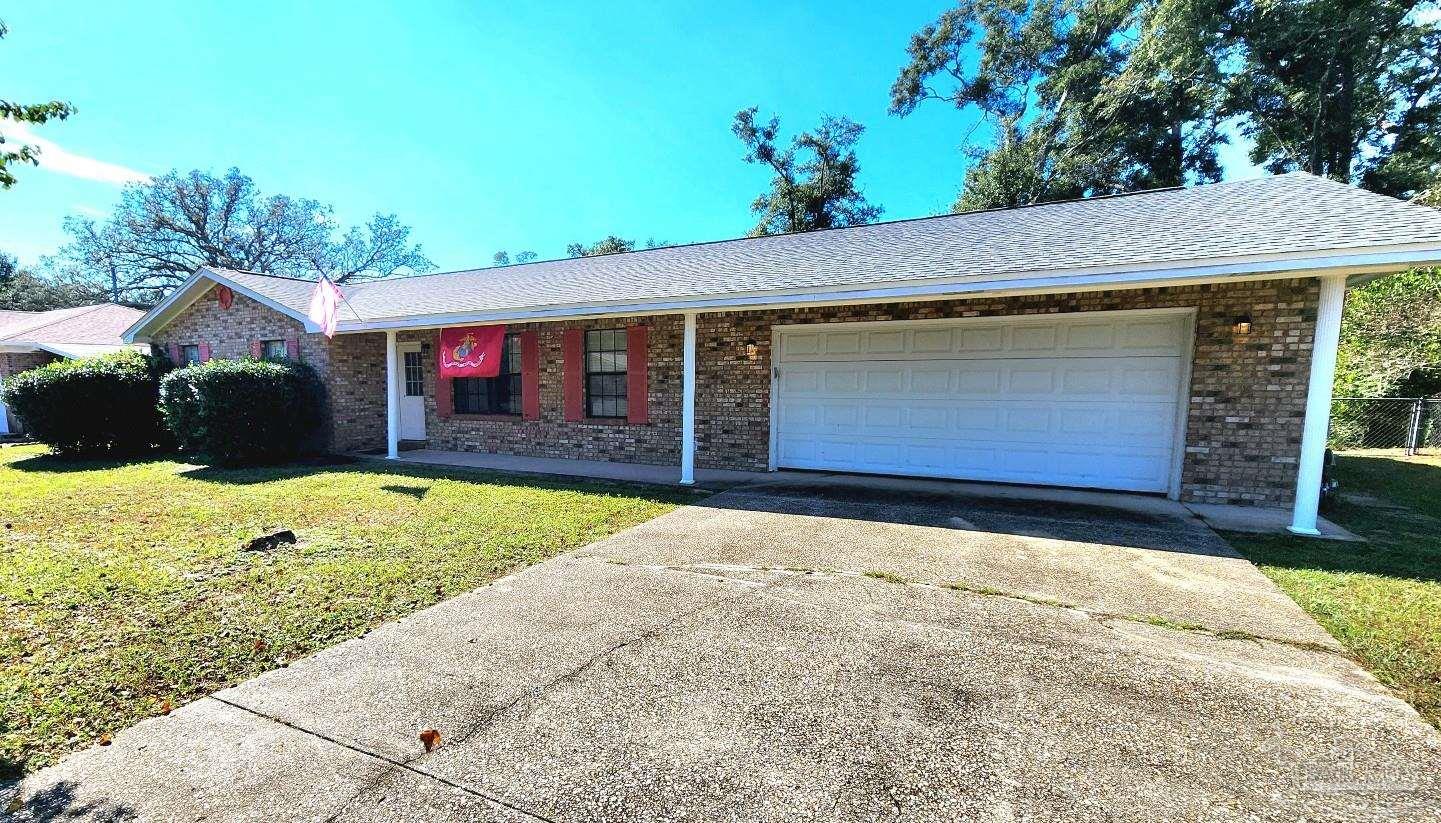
(244, 411)
(96, 406)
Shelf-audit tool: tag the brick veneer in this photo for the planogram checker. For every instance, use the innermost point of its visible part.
(655, 442)
(1247, 394)
(14, 363)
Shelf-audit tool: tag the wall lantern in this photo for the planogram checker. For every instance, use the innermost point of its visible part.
(1242, 324)
(752, 348)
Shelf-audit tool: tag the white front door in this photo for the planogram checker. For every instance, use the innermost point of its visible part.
(1086, 399)
(412, 392)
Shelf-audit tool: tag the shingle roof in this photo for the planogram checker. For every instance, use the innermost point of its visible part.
(1287, 215)
(98, 325)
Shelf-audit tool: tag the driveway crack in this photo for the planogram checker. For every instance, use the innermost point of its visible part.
(407, 765)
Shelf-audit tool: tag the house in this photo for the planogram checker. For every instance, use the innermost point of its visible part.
(34, 338)
(1178, 342)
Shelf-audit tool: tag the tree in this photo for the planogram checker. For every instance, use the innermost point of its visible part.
(165, 229)
(813, 183)
(502, 258)
(36, 113)
(610, 245)
(1340, 88)
(22, 290)
(1083, 97)
(1079, 97)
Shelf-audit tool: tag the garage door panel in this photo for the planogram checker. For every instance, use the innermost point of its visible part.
(1071, 400)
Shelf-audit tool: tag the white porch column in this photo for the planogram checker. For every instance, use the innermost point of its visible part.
(392, 396)
(1318, 404)
(687, 404)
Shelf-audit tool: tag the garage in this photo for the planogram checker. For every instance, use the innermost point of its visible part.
(1091, 399)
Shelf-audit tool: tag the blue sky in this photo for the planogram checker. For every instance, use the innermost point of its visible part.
(485, 126)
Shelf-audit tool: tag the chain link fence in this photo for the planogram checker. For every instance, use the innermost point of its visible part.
(1409, 424)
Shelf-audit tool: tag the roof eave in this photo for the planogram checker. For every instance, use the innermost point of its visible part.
(193, 289)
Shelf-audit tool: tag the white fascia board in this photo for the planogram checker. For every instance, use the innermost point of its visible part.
(193, 289)
(1265, 267)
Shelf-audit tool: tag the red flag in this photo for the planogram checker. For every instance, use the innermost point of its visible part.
(471, 351)
(325, 305)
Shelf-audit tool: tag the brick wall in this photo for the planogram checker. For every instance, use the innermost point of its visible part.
(14, 363)
(656, 441)
(1247, 397)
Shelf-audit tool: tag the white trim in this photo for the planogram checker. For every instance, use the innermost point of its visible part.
(167, 309)
(1310, 467)
(1261, 267)
(392, 397)
(1183, 404)
(771, 401)
(687, 403)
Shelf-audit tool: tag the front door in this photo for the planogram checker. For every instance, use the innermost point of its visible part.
(412, 392)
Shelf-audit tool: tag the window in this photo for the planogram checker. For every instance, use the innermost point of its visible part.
(273, 350)
(605, 373)
(414, 376)
(189, 355)
(492, 395)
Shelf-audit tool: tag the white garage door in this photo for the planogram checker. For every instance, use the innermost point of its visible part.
(1087, 399)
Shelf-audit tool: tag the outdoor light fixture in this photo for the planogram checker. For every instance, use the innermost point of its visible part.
(752, 348)
(1242, 324)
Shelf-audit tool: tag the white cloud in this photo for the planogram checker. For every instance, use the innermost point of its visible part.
(54, 158)
(89, 211)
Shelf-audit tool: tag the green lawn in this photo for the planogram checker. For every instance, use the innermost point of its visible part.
(124, 590)
(1381, 599)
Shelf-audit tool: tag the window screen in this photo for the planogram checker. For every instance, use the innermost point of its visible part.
(605, 373)
(274, 350)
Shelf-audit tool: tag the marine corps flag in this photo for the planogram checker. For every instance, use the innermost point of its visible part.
(471, 351)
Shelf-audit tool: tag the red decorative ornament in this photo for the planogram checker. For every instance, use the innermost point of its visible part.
(225, 296)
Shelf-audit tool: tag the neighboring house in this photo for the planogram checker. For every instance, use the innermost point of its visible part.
(34, 338)
(1156, 342)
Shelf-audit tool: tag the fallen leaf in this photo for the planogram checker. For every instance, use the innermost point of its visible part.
(260, 644)
(104, 739)
(166, 707)
(431, 739)
(15, 804)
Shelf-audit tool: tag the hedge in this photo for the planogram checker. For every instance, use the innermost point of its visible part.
(244, 411)
(98, 406)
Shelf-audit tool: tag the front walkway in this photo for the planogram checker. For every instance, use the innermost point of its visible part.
(820, 649)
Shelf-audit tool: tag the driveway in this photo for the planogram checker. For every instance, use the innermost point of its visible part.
(821, 648)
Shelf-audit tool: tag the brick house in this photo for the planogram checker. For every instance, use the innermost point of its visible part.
(33, 338)
(1177, 342)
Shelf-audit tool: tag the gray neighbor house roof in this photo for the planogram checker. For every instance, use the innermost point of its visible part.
(76, 332)
(1293, 223)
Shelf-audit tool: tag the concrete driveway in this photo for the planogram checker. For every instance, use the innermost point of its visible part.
(821, 648)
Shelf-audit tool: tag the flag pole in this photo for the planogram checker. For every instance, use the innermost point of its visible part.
(338, 291)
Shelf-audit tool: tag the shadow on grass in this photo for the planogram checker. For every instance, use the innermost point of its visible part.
(58, 464)
(418, 492)
(1389, 499)
(62, 802)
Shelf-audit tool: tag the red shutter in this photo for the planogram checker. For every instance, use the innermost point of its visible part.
(573, 380)
(256, 349)
(292, 349)
(204, 352)
(175, 354)
(530, 375)
(636, 374)
(444, 395)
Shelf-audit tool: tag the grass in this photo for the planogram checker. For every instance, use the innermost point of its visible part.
(1382, 599)
(124, 590)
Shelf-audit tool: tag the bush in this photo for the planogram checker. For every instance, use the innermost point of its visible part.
(96, 406)
(244, 411)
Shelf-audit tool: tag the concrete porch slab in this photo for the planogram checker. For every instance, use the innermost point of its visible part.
(589, 469)
(1256, 520)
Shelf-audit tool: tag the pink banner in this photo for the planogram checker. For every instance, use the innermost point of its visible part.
(471, 351)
